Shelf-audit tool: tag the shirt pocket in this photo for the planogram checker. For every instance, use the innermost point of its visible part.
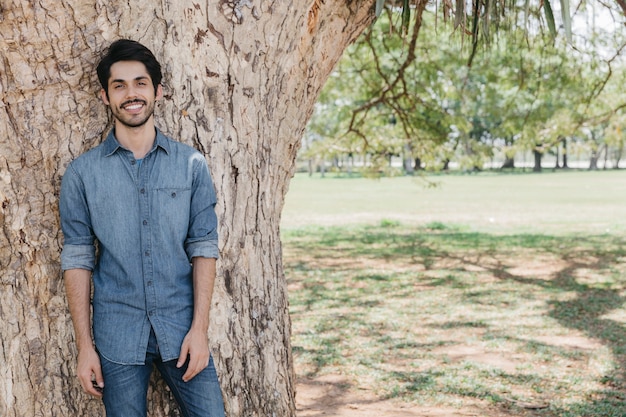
(172, 209)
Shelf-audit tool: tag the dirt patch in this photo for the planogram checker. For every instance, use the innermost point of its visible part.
(460, 353)
(571, 341)
(335, 396)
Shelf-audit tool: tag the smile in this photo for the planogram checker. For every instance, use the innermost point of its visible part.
(133, 105)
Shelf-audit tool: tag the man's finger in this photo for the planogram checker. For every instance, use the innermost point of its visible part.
(191, 370)
(91, 387)
(184, 352)
(99, 380)
(195, 366)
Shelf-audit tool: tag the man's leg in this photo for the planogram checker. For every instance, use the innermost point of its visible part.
(200, 397)
(125, 388)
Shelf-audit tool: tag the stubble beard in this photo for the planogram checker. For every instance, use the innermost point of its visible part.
(129, 122)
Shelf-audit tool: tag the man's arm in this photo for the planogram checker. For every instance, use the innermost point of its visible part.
(196, 344)
(78, 290)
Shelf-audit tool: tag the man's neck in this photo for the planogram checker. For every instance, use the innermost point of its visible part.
(138, 140)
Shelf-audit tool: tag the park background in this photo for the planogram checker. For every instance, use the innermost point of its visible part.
(458, 249)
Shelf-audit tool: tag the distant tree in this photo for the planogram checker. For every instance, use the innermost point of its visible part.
(445, 110)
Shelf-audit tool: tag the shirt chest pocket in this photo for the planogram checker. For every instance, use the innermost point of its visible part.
(171, 206)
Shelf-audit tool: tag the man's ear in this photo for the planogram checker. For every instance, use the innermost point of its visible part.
(104, 96)
(159, 92)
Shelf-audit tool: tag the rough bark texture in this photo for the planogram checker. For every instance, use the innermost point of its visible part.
(241, 78)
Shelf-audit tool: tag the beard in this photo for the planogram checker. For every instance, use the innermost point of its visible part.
(136, 120)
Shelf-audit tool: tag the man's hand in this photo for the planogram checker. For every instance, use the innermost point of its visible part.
(196, 347)
(89, 372)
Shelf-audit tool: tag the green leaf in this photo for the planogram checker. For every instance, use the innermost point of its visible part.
(549, 17)
(567, 20)
(379, 7)
(406, 15)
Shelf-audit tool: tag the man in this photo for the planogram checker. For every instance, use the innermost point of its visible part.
(147, 203)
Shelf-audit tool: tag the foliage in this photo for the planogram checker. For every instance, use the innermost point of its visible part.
(394, 95)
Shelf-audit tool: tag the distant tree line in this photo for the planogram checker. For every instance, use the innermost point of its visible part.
(525, 92)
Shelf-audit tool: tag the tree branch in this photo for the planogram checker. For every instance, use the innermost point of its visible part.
(384, 96)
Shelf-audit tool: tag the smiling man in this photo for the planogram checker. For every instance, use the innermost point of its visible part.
(148, 203)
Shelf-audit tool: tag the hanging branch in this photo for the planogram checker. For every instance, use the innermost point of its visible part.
(386, 95)
(475, 27)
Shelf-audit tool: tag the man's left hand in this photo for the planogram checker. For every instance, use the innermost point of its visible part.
(195, 348)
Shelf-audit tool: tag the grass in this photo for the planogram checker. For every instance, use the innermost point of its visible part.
(576, 201)
(430, 305)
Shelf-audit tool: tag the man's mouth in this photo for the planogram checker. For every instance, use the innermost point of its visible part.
(133, 105)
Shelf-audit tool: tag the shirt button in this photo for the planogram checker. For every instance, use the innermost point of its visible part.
(147, 253)
(149, 283)
(133, 162)
(151, 313)
(145, 222)
(173, 195)
(142, 191)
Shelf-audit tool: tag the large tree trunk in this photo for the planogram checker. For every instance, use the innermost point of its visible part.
(240, 81)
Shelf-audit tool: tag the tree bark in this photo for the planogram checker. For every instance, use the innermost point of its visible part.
(240, 81)
(593, 160)
(564, 144)
(557, 164)
(407, 159)
(538, 156)
(509, 162)
(618, 156)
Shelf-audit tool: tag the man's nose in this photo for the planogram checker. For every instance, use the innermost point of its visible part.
(131, 92)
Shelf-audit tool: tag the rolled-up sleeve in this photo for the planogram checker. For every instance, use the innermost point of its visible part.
(202, 238)
(78, 247)
(78, 257)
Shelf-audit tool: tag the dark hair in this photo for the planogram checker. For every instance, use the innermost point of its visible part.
(128, 50)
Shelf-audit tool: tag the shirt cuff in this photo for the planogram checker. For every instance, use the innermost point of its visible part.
(78, 257)
(203, 249)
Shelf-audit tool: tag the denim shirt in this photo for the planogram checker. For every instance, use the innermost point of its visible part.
(148, 220)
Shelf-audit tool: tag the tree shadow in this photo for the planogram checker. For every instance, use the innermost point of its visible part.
(584, 312)
(585, 309)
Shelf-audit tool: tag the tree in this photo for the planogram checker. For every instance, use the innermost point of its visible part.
(504, 103)
(241, 78)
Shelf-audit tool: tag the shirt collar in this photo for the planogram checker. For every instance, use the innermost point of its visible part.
(111, 145)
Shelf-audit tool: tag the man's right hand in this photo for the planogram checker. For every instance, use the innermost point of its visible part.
(89, 372)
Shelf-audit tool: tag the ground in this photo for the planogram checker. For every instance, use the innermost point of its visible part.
(333, 396)
(500, 297)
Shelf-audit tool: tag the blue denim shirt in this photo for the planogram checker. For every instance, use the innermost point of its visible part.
(148, 219)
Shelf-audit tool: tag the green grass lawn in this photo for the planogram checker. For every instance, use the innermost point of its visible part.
(504, 292)
(561, 202)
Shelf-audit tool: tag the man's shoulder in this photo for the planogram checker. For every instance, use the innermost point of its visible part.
(181, 150)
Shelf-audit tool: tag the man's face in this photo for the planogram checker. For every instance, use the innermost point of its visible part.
(131, 93)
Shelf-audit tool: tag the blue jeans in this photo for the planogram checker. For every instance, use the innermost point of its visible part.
(126, 387)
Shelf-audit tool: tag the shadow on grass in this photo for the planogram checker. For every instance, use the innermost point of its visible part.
(585, 310)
